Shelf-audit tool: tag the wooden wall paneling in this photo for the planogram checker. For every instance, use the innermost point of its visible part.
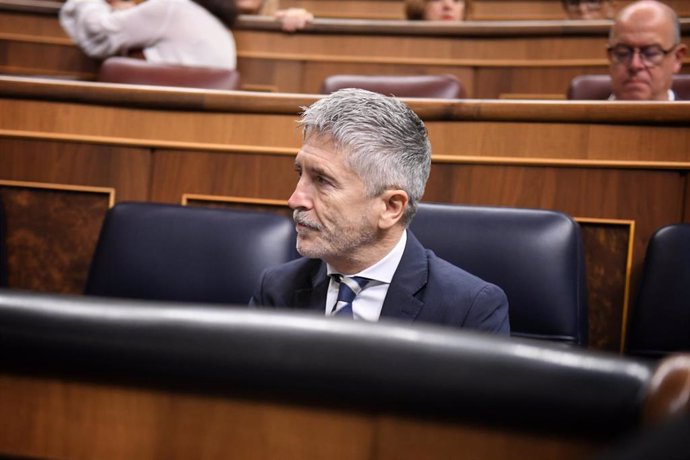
(353, 9)
(53, 227)
(279, 207)
(316, 72)
(51, 233)
(525, 141)
(51, 417)
(497, 10)
(502, 82)
(127, 170)
(35, 44)
(31, 24)
(403, 439)
(608, 260)
(498, 62)
(150, 127)
(47, 418)
(272, 75)
(270, 176)
(39, 59)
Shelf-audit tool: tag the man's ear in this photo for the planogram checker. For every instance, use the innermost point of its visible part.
(394, 206)
(679, 54)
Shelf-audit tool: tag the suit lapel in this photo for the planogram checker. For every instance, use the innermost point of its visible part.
(409, 279)
(313, 295)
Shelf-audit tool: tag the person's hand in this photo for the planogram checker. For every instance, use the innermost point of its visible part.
(116, 5)
(292, 19)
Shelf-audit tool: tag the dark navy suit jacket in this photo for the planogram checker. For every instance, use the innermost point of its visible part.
(424, 288)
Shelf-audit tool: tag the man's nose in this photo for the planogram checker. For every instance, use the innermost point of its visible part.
(300, 198)
(636, 60)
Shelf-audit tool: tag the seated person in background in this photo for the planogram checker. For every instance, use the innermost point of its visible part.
(645, 51)
(180, 32)
(435, 10)
(361, 171)
(588, 9)
(291, 19)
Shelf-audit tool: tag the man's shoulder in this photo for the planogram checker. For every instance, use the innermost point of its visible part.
(294, 271)
(451, 276)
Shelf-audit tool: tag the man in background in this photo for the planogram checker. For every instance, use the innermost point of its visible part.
(588, 9)
(645, 51)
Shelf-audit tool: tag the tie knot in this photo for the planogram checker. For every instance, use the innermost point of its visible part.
(350, 287)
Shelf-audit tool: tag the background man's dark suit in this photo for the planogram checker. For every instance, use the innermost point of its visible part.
(424, 288)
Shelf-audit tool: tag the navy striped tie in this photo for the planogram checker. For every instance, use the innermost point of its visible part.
(350, 286)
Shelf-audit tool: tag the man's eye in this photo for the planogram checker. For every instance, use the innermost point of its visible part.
(651, 53)
(322, 180)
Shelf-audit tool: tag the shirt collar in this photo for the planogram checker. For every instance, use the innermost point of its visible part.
(671, 96)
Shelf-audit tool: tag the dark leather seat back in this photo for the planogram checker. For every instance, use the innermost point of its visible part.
(536, 256)
(3, 246)
(140, 72)
(660, 322)
(598, 87)
(168, 252)
(301, 357)
(432, 86)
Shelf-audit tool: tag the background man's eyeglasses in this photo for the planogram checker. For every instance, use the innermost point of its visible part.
(649, 55)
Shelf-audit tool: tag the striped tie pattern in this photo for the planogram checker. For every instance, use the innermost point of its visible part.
(350, 286)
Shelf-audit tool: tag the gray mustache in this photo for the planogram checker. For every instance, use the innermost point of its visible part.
(300, 218)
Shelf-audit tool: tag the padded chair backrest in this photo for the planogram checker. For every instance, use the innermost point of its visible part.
(432, 86)
(660, 322)
(536, 256)
(598, 87)
(167, 252)
(3, 246)
(140, 72)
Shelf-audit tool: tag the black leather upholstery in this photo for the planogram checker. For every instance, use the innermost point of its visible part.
(168, 252)
(298, 356)
(3, 246)
(536, 256)
(660, 322)
(433, 86)
(598, 87)
(140, 72)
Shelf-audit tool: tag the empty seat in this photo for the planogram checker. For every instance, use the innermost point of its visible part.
(660, 321)
(167, 252)
(140, 72)
(535, 255)
(432, 86)
(598, 87)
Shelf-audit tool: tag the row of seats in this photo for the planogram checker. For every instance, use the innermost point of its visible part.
(176, 253)
(137, 71)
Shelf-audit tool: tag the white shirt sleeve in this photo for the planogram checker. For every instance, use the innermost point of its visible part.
(102, 32)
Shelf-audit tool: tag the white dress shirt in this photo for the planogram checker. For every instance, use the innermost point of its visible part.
(671, 96)
(368, 304)
(168, 31)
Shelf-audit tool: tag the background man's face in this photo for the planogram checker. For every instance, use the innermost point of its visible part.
(637, 79)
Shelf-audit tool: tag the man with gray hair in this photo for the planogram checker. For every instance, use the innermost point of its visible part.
(361, 172)
(645, 51)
